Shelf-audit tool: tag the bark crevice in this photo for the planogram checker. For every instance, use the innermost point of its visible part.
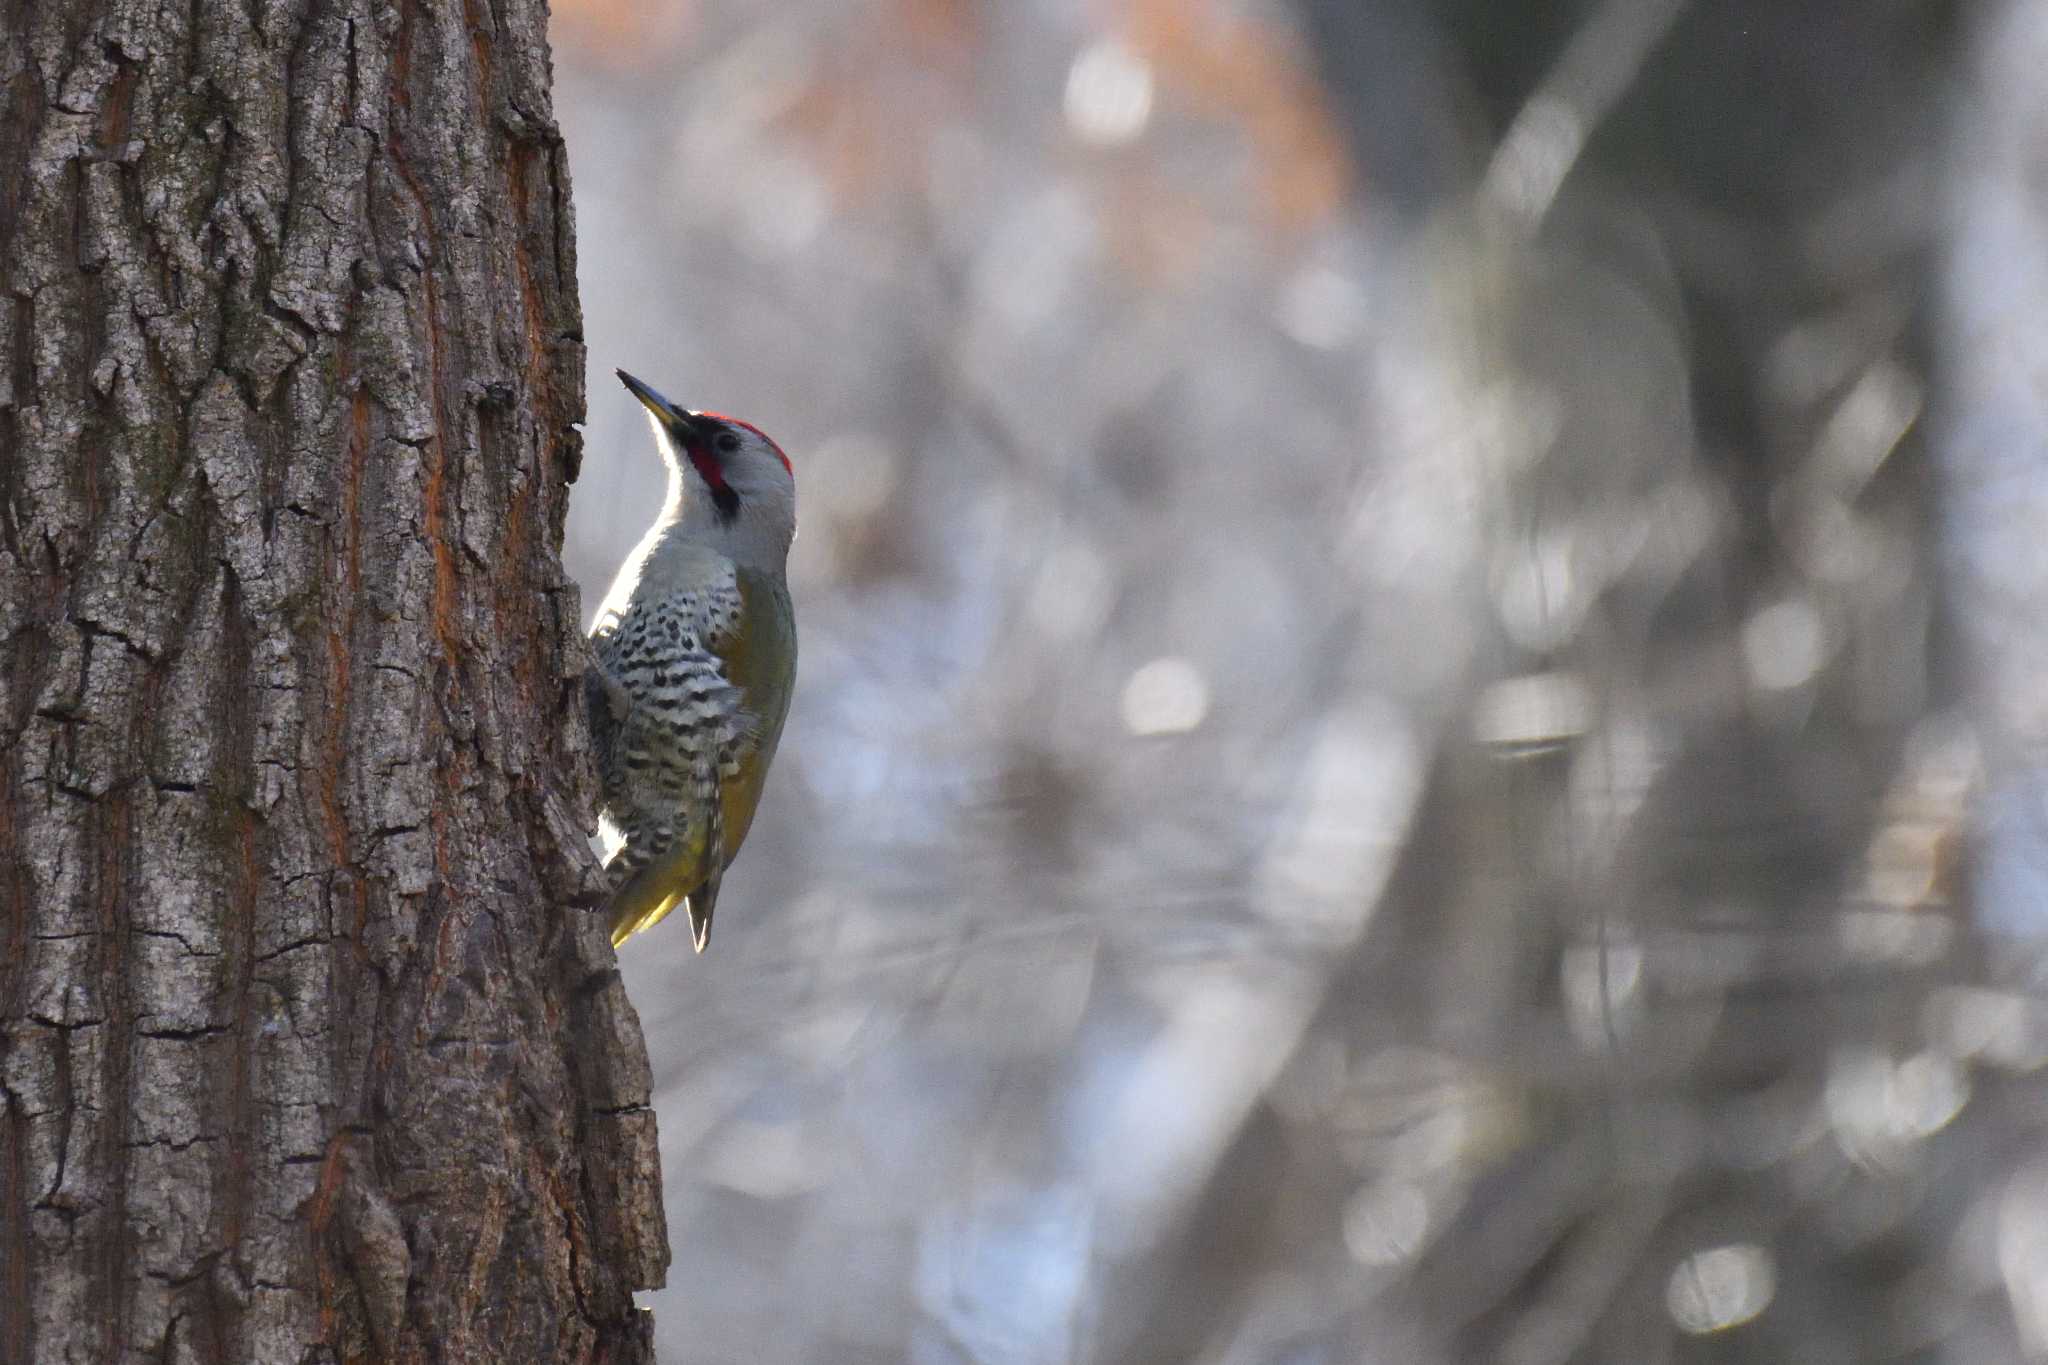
(309, 1045)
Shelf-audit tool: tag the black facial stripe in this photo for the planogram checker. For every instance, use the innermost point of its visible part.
(726, 501)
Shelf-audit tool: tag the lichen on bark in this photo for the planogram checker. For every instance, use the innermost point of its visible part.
(309, 1047)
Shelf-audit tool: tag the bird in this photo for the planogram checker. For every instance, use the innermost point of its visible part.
(695, 661)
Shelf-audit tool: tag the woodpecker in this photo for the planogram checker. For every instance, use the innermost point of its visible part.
(696, 657)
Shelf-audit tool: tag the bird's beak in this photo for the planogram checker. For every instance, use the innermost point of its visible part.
(667, 413)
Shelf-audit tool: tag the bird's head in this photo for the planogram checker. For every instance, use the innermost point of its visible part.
(735, 485)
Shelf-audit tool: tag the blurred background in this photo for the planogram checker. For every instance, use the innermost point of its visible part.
(1425, 665)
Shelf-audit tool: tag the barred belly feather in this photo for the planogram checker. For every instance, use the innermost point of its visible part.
(679, 731)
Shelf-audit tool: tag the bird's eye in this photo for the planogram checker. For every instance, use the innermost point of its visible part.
(727, 443)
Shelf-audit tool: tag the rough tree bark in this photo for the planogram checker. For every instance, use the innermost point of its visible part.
(310, 1053)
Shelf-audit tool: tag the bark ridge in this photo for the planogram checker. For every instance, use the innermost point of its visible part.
(310, 1049)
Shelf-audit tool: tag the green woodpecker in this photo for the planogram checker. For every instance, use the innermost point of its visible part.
(696, 655)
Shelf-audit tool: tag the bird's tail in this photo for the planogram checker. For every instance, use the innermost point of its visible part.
(687, 872)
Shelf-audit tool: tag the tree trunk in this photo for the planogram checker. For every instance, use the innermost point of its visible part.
(312, 1050)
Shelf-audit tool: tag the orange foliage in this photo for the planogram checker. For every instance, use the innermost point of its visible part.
(1238, 71)
(1155, 231)
(623, 34)
(866, 119)
(941, 30)
(898, 71)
